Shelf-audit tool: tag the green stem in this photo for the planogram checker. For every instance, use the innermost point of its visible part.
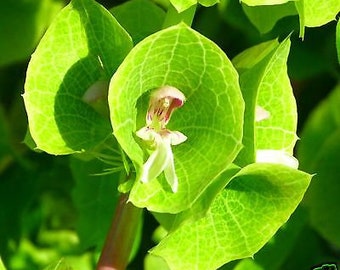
(120, 238)
(173, 17)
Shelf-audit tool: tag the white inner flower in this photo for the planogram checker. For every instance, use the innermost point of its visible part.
(276, 156)
(162, 103)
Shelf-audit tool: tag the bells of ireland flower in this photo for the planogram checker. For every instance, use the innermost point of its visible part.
(159, 139)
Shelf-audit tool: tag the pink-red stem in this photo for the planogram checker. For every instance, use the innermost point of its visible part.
(119, 241)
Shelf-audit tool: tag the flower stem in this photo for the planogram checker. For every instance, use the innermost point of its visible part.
(120, 238)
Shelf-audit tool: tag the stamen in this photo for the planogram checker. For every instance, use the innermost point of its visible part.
(162, 103)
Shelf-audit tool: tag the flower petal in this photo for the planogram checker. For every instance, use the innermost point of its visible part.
(163, 102)
(170, 174)
(146, 134)
(261, 114)
(176, 137)
(276, 156)
(157, 162)
(168, 91)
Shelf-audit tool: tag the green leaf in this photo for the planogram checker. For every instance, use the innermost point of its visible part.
(264, 2)
(173, 16)
(315, 13)
(319, 153)
(83, 46)
(95, 197)
(233, 14)
(211, 118)
(208, 3)
(318, 13)
(321, 124)
(140, 18)
(172, 221)
(264, 18)
(22, 23)
(265, 83)
(275, 95)
(30, 143)
(2, 267)
(154, 262)
(275, 252)
(182, 5)
(258, 200)
(323, 195)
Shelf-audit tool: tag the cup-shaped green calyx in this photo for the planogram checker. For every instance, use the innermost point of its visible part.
(211, 119)
(70, 70)
(162, 103)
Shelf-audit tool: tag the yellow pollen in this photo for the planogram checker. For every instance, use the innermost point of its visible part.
(166, 102)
